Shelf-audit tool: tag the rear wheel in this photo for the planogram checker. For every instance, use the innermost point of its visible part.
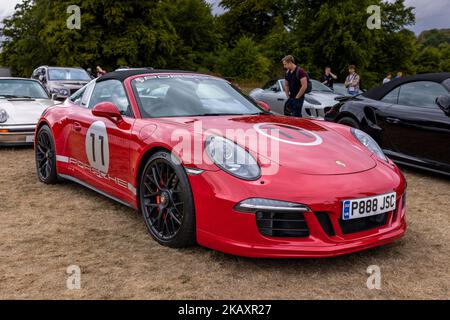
(45, 156)
(287, 110)
(349, 122)
(166, 202)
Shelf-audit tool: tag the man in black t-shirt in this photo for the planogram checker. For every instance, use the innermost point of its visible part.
(328, 78)
(295, 85)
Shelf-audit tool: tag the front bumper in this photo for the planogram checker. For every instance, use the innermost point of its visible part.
(17, 135)
(221, 227)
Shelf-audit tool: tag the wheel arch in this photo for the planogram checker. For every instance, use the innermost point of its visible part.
(347, 114)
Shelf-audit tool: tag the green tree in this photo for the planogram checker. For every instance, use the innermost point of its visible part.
(243, 62)
(113, 33)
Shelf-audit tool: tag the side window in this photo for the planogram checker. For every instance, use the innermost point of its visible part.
(420, 94)
(269, 84)
(111, 91)
(87, 95)
(392, 97)
(81, 97)
(76, 97)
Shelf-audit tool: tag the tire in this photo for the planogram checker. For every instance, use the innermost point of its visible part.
(45, 155)
(287, 110)
(349, 122)
(166, 202)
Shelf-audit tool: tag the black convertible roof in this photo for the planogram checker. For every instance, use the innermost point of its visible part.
(379, 92)
(123, 74)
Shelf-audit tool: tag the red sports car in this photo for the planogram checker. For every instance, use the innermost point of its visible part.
(206, 164)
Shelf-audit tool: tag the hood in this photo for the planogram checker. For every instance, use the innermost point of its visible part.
(325, 98)
(67, 84)
(304, 146)
(24, 111)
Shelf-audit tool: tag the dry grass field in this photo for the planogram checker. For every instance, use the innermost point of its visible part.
(44, 229)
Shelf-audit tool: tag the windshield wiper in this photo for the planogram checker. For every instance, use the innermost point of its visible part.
(11, 96)
(217, 114)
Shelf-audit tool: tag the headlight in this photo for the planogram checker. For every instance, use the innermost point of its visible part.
(3, 115)
(232, 158)
(369, 143)
(312, 101)
(62, 92)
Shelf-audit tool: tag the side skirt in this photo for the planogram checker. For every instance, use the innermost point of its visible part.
(84, 184)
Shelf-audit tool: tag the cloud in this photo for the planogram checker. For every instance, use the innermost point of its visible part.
(7, 7)
(430, 14)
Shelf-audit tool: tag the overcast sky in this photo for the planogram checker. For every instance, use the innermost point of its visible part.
(429, 13)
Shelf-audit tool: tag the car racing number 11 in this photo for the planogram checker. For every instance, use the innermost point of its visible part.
(97, 146)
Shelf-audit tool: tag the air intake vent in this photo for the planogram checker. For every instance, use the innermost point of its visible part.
(325, 222)
(363, 224)
(282, 224)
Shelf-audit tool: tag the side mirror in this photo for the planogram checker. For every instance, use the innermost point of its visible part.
(275, 89)
(264, 106)
(107, 110)
(444, 103)
(54, 96)
(42, 78)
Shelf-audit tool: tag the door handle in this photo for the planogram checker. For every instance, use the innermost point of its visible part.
(76, 126)
(393, 120)
(280, 99)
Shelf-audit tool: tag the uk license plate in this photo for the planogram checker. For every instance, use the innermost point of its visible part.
(370, 206)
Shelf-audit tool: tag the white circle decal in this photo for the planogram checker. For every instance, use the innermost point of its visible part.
(288, 134)
(97, 146)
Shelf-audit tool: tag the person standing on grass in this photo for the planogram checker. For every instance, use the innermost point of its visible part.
(352, 81)
(328, 78)
(295, 85)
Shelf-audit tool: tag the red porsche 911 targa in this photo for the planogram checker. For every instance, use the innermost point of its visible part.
(206, 164)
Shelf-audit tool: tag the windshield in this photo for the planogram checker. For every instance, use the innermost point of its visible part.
(57, 74)
(187, 95)
(17, 88)
(317, 86)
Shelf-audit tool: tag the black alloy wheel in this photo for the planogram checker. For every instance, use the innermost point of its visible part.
(166, 201)
(45, 156)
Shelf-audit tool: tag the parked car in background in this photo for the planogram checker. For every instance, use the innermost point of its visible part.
(61, 82)
(340, 89)
(408, 117)
(22, 102)
(317, 102)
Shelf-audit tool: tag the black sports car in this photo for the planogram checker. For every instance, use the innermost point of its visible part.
(408, 117)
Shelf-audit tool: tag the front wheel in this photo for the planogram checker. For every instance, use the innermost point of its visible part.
(166, 202)
(349, 122)
(45, 154)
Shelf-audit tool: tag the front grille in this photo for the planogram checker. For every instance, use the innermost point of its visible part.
(363, 224)
(282, 224)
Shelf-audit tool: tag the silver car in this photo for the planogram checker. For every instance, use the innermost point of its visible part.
(317, 102)
(22, 102)
(61, 82)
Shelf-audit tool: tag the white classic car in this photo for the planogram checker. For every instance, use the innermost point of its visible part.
(22, 102)
(316, 104)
